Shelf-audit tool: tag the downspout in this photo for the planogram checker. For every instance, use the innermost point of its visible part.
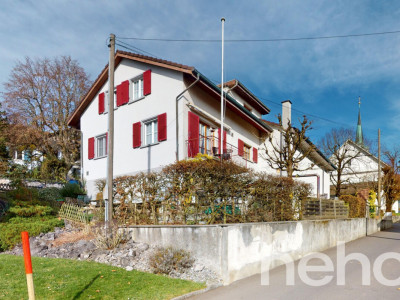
(176, 114)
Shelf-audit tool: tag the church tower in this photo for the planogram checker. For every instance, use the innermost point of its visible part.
(359, 134)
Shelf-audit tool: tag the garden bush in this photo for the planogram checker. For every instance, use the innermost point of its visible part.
(10, 232)
(72, 190)
(206, 191)
(31, 211)
(165, 261)
(49, 194)
(356, 206)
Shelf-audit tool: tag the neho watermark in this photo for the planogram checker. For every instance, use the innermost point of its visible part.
(304, 268)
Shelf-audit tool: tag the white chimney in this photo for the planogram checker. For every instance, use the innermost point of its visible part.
(286, 113)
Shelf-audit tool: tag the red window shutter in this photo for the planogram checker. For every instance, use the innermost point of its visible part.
(137, 130)
(119, 95)
(193, 134)
(147, 82)
(125, 92)
(255, 155)
(91, 148)
(101, 103)
(162, 127)
(240, 147)
(223, 142)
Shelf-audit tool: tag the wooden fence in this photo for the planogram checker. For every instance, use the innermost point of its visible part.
(325, 209)
(74, 213)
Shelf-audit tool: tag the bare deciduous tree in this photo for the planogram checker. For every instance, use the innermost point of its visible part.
(41, 94)
(332, 146)
(293, 148)
(336, 144)
(391, 178)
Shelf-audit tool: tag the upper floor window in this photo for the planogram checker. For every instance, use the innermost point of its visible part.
(137, 87)
(150, 132)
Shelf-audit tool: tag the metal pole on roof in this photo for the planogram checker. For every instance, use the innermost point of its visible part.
(222, 94)
(110, 152)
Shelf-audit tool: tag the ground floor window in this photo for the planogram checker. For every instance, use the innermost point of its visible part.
(206, 139)
(246, 152)
(101, 145)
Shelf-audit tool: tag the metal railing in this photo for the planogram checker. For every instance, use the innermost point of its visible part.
(210, 145)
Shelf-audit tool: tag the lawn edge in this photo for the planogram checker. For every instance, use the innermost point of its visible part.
(198, 292)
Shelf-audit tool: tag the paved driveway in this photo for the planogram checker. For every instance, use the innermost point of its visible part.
(372, 247)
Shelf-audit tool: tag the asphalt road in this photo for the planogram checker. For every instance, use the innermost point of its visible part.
(372, 247)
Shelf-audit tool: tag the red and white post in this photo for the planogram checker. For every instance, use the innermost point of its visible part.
(28, 264)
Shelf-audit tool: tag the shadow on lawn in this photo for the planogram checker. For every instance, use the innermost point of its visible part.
(86, 287)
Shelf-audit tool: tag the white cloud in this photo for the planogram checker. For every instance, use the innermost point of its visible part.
(310, 72)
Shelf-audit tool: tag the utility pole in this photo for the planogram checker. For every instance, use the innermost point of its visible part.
(379, 172)
(222, 94)
(110, 156)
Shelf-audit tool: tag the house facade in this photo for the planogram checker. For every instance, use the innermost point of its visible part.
(166, 112)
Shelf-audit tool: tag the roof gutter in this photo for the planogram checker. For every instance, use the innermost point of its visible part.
(176, 113)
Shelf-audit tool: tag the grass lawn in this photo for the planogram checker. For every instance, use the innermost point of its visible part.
(70, 279)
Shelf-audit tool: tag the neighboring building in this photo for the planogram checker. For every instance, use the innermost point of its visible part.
(363, 169)
(165, 112)
(29, 159)
(314, 169)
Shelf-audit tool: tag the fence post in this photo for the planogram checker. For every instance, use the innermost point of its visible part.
(320, 208)
(334, 207)
(28, 264)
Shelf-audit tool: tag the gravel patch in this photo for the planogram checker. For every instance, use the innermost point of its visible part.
(72, 243)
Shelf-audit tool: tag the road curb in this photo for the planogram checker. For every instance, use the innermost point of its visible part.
(195, 293)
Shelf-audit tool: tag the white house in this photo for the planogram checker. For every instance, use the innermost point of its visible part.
(165, 112)
(29, 159)
(363, 168)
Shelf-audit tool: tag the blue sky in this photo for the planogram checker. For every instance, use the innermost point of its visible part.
(321, 77)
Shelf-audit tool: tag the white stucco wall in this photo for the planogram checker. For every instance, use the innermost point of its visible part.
(166, 85)
(363, 167)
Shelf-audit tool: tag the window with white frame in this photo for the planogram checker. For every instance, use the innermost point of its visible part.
(150, 132)
(246, 152)
(101, 145)
(137, 88)
(206, 138)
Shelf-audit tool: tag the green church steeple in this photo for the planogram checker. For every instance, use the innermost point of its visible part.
(359, 134)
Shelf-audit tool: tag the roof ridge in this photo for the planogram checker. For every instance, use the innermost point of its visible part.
(164, 61)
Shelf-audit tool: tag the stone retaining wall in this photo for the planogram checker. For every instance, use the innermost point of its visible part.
(235, 251)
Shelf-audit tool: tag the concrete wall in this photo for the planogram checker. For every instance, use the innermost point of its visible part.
(236, 251)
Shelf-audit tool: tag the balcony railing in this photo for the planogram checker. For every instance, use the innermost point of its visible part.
(211, 146)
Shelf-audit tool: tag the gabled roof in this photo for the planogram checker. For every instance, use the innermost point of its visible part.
(191, 72)
(245, 93)
(74, 120)
(364, 150)
(317, 156)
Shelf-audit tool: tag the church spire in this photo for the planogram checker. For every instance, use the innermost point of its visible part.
(359, 134)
